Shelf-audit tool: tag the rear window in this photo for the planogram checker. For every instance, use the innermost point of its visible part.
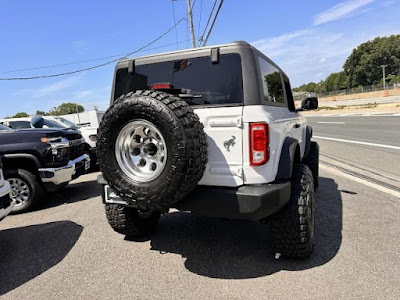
(219, 83)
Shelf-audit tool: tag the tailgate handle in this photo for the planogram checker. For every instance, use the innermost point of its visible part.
(227, 123)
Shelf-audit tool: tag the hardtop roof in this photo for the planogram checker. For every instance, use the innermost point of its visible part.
(238, 44)
(184, 51)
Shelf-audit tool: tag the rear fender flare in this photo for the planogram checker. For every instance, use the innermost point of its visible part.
(309, 133)
(287, 159)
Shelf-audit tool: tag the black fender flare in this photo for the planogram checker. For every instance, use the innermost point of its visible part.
(287, 159)
(309, 133)
(22, 155)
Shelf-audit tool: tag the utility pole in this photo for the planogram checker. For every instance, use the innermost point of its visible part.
(77, 111)
(190, 18)
(384, 76)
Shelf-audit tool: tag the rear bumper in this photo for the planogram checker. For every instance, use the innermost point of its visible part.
(61, 175)
(246, 202)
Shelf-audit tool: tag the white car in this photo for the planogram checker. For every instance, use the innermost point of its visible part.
(88, 133)
(5, 201)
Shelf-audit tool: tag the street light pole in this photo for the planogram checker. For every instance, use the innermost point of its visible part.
(190, 18)
(384, 76)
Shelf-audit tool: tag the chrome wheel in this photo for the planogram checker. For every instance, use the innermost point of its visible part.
(20, 191)
(141, 151)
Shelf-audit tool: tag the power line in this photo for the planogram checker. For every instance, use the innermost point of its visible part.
(208, 22)
(212, 25)
(97, 66)
(89, 60)
(201, 10)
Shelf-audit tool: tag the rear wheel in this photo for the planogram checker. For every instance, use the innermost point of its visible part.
(292, 228)
(26, 189)
(130, 221)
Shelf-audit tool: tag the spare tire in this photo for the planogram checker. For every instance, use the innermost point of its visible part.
(152, 149)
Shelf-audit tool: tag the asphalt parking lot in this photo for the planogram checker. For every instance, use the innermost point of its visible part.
(66, 250)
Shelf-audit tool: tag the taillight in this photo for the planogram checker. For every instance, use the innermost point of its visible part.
(259, 143)
(161, 86)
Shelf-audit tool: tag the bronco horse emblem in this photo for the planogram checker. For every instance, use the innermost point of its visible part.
(230, 143)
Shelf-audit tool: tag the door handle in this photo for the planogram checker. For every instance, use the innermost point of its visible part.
(296, 126)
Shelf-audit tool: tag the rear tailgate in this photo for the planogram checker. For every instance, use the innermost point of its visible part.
(223, 127)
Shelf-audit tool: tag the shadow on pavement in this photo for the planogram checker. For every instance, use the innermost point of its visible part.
(73, 192)
(27, 252)
(238, 249)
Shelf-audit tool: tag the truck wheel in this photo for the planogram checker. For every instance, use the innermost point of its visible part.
(312, 161)
(130, 221)
(26, 189)
(292, 228)
(152, 149)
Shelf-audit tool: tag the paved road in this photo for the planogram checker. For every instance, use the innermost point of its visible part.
(66, 250)
(370, 143)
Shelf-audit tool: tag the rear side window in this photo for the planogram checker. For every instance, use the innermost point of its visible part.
(289, 94)
(272, 82)
(219, 83)
(19, 124)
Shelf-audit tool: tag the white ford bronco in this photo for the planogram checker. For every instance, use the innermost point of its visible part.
(214, 131)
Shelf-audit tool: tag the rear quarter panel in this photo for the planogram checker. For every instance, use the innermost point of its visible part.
(280, 121)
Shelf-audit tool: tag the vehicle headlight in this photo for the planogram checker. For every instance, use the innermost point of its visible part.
(93, 137)
(56, 143)
(57, 139)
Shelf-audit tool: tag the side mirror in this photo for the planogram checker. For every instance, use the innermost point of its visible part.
(37, 121)
(310, 103)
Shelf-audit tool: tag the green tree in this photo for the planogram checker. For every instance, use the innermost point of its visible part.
(20, 115)
(336, 81)
(310, 87)
(363, 66)
(69, 108)
(393, 78)
(40, 113)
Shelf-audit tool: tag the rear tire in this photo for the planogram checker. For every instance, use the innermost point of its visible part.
(292, 228)
(26, 189)
(130, 221)
(312, 161)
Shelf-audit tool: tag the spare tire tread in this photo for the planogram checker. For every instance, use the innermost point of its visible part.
(190, 155)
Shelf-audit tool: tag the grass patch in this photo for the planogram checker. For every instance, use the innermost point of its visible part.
(331, 107)
(360, 106)
(368, 105)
